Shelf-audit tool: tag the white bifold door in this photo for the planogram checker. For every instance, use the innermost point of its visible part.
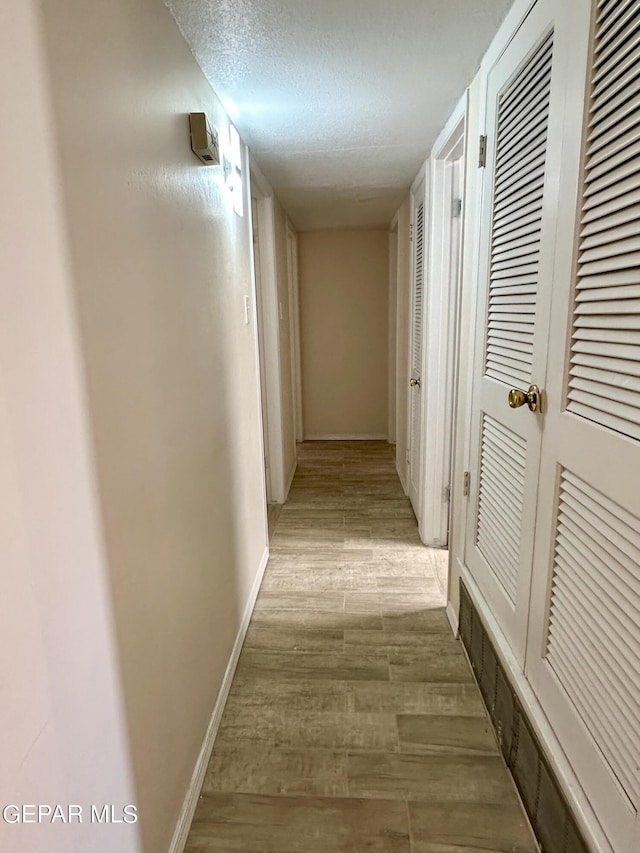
(553, 535)
(523, 126)
(583, 656)
(416, 405)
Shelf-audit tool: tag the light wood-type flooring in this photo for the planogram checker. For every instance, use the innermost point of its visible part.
(353, 723)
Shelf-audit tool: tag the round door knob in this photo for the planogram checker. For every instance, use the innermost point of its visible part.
(517, 398)
(531, 397)
(414, 382)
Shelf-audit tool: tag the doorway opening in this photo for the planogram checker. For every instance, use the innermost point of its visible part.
(435, 318)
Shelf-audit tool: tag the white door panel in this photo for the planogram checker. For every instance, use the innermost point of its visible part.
(553, 535)
(523, 126)
(583, 656)
(418, 219)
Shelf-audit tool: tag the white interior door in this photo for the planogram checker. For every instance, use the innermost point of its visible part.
(418, 231)
(261, 348)
(524, 143)
(583, 657)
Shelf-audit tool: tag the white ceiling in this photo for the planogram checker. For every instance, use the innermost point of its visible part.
(339, 100)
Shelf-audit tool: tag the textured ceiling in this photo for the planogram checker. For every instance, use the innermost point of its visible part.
(339, 100)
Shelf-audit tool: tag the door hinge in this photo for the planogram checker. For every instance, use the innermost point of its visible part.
(411, 232)
(482, 153)
(408, 457)
(466, 489)
(446, 494)
(456, 208)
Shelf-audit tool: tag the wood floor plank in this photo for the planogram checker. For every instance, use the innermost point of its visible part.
(434, 778)
(300, 600)
(328, 619)
(287, 638)
(291, 695)
(469, 828)
(446, 664)
(453, 734)
(427, 642)
(389, 602)
(246, 823)
(368, 665)
(313, 729)
(415, 698)
(255, 769)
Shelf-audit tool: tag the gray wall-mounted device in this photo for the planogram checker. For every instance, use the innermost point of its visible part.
(204, 139)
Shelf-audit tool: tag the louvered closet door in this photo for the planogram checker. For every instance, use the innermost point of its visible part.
(517, 244)
(417, 335)
(584, 651)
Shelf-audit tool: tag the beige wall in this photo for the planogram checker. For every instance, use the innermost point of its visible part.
(403, 341)
(160, 267)
(62, 732)
(344, 332)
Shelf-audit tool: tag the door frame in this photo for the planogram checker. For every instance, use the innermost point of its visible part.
(294, 330)
(259, 323)
(440, 360)
(268, 315)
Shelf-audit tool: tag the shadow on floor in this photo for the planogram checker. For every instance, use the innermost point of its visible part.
(353, 722)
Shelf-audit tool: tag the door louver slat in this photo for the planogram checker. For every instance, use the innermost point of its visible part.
(529, 140)
(419, 288)
(521, 141)
(500, 496)
(611, 227)
(605, 346)
(418, 319)
(592, 642)
(610, 47)
(519, 236)
(607, 20)
(597, 659)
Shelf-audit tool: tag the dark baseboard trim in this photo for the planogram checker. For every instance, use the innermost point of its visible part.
(550, 816)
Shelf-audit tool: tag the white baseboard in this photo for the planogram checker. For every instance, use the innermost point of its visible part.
(401, 470)
(452, 616)
(567, 779)
(356, 436)
(292, 474)
(191, 799)
(431, 543)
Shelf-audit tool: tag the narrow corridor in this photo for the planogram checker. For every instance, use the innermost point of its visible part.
(353, 722)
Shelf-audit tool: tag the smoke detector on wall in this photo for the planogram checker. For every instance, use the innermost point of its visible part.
(204, 139)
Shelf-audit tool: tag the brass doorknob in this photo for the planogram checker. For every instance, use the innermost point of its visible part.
(531, 397)
(414, 382)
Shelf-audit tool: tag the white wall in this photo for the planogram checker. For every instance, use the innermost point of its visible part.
(62, 731)
(158, 266)
(344, 281)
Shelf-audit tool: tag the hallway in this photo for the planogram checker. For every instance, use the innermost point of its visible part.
(353, 723)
